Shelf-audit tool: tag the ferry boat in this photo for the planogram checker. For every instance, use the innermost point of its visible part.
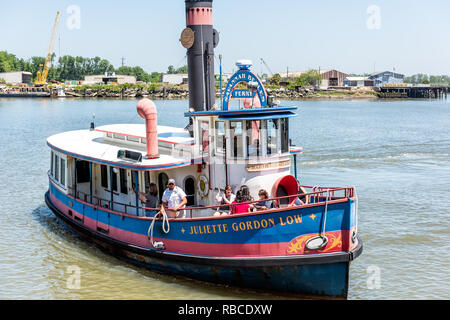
(303, 244)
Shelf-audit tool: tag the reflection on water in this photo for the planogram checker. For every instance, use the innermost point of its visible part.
(396, 153)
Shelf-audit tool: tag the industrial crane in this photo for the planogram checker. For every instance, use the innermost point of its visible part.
(267, 66)
(42, 77)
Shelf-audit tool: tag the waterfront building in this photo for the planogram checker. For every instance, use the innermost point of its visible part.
(358, 82)
(110, 78)
(16, 77)
(175, 79)
(330, 77)
(386, 77)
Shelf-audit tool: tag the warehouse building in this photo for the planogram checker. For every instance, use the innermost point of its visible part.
(330, 77)
(358, 82)
(174, 79)
(16, 77)
(110, 78)
(386, 77)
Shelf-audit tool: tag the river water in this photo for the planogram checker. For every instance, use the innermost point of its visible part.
(396, 153)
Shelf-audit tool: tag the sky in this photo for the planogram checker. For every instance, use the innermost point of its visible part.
(353, 36)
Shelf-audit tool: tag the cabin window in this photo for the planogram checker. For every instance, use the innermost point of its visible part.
(236, 139)
(63, 172)
(133, 139)
(56, 175)
(189, 188)
(104, 176)
(272, 137)
(119, 136)
(109, 135)
(253, 138)
(143, 141)
(83, 171)
(147, 181)
(51, 163)
(133, 180)
(123, 181)
(220, 136)
(204, 135)
(114, 180)
(284, 135)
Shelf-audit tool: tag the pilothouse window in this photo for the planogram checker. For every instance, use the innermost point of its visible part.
(254, 138)
(204, 135)
(236, 139)
(284, 135)
(220, 136)
(272, 137)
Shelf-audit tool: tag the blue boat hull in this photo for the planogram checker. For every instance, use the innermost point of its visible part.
(321, 274)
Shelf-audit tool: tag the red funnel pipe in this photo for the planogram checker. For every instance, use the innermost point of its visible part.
(147, 110)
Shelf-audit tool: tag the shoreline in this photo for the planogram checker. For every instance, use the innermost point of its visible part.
(167, 92)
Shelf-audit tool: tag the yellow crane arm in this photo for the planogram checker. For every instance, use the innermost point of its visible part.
(42, 78)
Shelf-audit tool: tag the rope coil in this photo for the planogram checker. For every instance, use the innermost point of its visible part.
(165, 227)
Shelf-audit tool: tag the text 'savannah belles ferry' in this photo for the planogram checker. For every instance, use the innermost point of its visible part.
(297, 246)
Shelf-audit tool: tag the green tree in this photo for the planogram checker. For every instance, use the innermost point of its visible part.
(275, 79)
(7, 62)
(172, 70)
(309, 78)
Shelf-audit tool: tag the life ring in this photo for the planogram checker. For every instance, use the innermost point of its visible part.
(203, 186)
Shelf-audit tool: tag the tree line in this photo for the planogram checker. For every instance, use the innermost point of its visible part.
(75, 68)
(308, 78)
(427, 79)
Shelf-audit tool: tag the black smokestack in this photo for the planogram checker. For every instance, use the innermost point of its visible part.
(200, 39)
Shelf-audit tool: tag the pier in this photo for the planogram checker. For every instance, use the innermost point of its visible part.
(25, 92)
(413, 92)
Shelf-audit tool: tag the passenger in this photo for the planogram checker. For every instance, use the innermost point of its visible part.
(298, 202)
(265, 203)
(226, 198)
(302, 197)
(240, 207)
(246, 197)
(174, 199)
(243, 195)
(150, 199)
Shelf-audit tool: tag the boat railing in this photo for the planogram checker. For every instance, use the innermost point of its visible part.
(316, 196)
(104, 203)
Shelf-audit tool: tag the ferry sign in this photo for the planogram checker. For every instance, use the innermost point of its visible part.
(244, 75)
(242, 93)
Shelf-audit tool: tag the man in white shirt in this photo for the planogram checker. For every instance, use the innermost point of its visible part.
(174, 198)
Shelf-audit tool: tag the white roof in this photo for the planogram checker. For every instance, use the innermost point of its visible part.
(357, 78)
(171, 135)
(92, 146)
